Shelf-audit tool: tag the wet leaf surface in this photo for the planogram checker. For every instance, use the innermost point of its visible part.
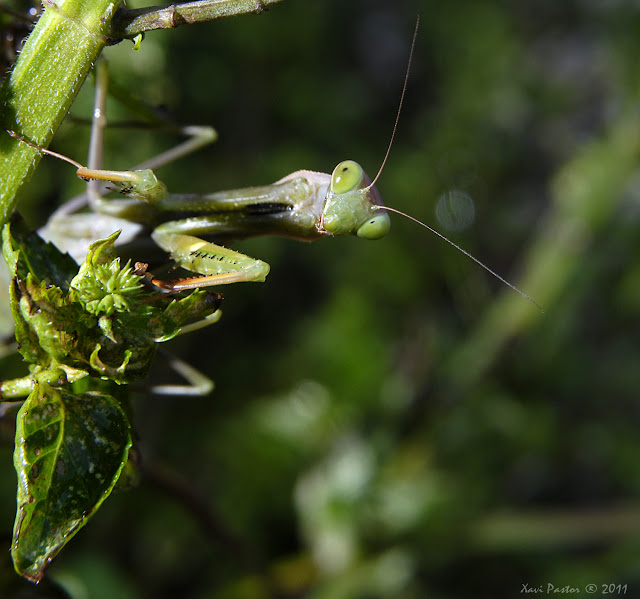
(70, 450)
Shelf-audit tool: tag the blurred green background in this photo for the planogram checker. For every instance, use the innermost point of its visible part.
(390, 421)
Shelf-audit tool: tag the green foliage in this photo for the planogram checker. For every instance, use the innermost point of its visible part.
(36, 95)
(71, 446)
(387, 421)
(70, 450)
(96, 323)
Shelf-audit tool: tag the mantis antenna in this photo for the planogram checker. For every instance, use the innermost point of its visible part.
(415, 220)
(44, 150)
(404, 89)
(88, 174)
(495, 274)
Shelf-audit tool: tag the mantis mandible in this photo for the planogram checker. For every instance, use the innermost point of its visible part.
(305, 205)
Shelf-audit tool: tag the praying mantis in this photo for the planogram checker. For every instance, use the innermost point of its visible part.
(305, 205)
(116, 344)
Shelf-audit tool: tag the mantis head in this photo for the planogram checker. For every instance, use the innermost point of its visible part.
(353, 204)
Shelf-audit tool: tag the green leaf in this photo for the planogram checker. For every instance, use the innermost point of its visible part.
(51, 328)
(25, 252)
(197, 305)
(70, 450)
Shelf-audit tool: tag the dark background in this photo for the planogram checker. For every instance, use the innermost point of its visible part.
(389, 420)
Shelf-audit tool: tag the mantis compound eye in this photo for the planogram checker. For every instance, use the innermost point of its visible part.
(375, 227)
(346, 177)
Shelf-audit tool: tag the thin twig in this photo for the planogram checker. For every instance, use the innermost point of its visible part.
(130, 23)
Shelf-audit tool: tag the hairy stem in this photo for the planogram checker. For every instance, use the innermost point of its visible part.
(47, 75)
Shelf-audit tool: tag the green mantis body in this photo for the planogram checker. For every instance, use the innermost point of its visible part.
(305, 205)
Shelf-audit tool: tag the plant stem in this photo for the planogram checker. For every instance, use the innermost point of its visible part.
(47, 75)
(55, 61)
(129, 23)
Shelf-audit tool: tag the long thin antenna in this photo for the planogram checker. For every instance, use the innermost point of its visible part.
(404, 89)
(495, 274)
(44, 150)
(415, 220)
